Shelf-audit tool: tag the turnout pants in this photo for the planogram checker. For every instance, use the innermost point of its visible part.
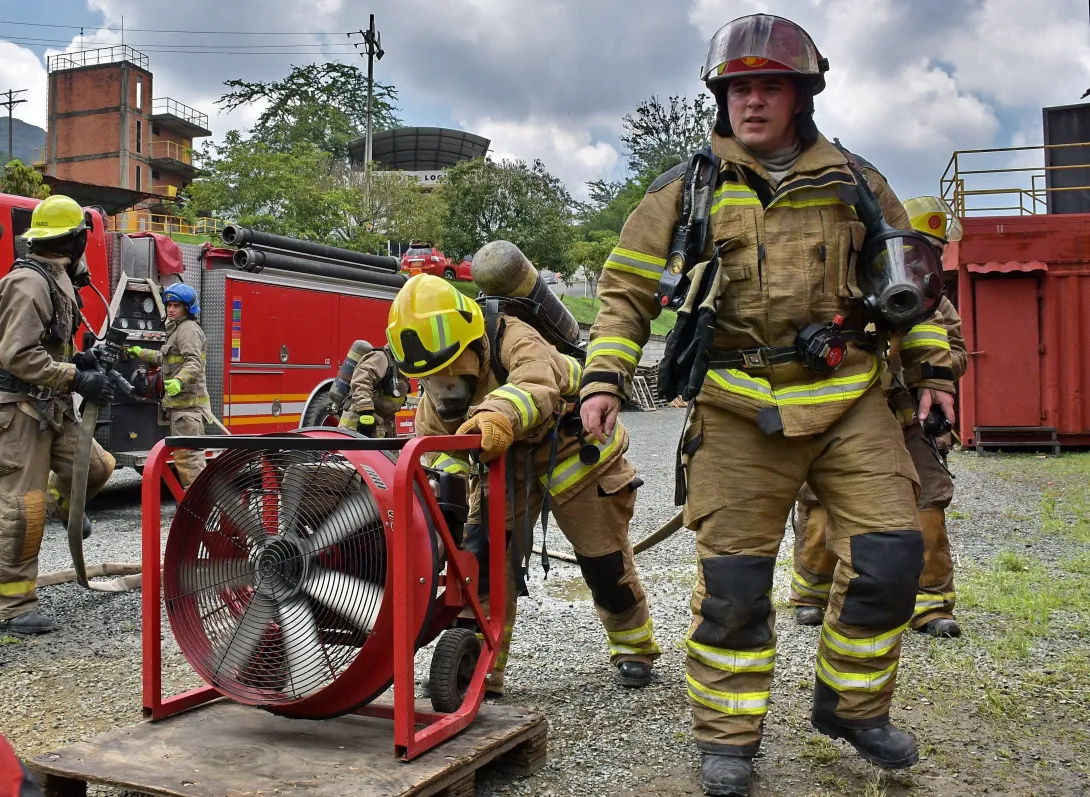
(190, 463)
(594, 517)
(814, 563)
(27, 454)
(741, 485)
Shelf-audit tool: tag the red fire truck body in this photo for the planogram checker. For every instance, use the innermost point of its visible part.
(274, 340)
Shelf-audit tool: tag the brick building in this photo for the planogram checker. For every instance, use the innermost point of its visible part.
(107, 129)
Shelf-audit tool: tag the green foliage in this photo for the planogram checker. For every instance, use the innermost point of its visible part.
(512, 201)
(22, 180)
(320, 104)
(657, 136)
(592, 252)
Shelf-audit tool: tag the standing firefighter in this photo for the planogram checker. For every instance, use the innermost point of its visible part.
(39, 371)
(185, 406)
(777, 290)
(517, 391)
(934, 611)
(378, 391)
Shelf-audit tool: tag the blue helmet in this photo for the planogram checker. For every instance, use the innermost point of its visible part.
(180, 292)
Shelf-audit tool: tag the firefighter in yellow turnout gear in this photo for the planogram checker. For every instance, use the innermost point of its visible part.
(789, 249)
(39, 371)
(814, 565)
(185, 406)
(378, 392)
(519, 398)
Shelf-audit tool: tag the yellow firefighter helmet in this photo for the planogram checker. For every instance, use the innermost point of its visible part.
(431, 324)
(931, 216)
(55, 217)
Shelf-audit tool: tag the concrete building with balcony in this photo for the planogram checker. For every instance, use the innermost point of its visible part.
(107, 130)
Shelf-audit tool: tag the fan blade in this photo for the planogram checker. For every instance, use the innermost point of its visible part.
(207, 574)
(294, 488)
(245, 519)
(351, 515)
(355, 599)
(306, 661)
(236, 650)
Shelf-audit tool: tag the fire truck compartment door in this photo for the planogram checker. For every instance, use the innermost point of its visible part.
(282, 326)
(256, 403)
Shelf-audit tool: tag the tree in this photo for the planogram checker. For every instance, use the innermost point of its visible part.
(322, 104)
(658, 137)
(513, 201)
(592, 253)
(22, 180)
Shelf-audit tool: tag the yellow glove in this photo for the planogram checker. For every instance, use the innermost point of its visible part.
(495, 430)
(134, 351)
(349, 420)
(172, 387)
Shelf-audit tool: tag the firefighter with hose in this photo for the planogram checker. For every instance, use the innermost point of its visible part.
(778, 248)
(39, 372)
(511, 386)
(185, 406)
(369, 390)
(934, 610)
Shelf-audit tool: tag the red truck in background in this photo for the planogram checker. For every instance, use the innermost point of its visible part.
(275, 339)
(427, 259)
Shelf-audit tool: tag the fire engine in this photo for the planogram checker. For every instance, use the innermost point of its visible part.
(276, 334)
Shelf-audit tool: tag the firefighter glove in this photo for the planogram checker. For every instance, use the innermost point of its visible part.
(93, 386)
(172, 387)
(367, 420)
(85, 361)
(495, 431)
(349, 420)
(134, 351)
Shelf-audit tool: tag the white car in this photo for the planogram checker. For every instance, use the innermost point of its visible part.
(548, 277)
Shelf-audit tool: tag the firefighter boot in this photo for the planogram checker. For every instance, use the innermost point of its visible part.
(809, 615)
(26, 624)
(634, 674)
(886, 746)
(942, 628)
(726, 775)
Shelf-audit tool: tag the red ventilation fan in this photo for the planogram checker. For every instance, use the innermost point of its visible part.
(302, 572)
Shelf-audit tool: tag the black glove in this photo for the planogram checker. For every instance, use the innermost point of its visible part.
(93, 386)
(85, 361)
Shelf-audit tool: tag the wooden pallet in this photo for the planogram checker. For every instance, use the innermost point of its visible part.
(224, 749)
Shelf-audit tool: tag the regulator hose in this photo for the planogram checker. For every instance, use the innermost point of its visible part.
(666, 530)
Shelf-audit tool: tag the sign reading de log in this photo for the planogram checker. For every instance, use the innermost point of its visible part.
(426, 177)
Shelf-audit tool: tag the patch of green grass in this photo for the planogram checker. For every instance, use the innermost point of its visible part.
(956, 514)
(586, 310)
(1066, 512)
(820, 751)
(1080, 563)
(10, 640)
(1011, 562)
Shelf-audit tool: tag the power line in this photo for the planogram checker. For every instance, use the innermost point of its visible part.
(201, 32)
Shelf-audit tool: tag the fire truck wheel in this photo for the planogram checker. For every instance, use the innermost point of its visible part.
(452, 666)
(449, 274)
(320, 411)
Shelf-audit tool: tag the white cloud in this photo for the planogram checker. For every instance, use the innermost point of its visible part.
(21, 69)
(569, 154)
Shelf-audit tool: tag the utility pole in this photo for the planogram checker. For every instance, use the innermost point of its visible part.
(10, 103)
(372, 41)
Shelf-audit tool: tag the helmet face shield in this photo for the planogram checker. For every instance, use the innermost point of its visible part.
(901, 277)
(761, 44)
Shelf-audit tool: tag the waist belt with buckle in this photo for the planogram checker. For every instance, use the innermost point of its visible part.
(10, 383)
(764, 356)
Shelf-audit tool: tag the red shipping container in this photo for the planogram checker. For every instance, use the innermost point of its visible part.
(1023, 287)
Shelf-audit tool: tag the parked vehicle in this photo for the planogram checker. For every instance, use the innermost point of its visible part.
(548, 277)
(430, 260)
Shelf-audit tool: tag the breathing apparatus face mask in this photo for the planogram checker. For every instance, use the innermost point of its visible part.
(451, 395)
(900, 274)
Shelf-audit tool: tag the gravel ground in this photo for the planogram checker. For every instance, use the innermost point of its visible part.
(986, 725)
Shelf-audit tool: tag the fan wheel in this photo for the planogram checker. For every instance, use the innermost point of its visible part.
(452, 666)
(277, 581)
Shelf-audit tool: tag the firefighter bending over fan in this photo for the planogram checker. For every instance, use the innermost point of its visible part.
(518, 392)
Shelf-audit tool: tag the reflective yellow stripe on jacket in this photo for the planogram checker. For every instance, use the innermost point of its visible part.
(449, 464)
(926, 336)
(528, 412)
(627, 350)
(570, 471)
(733, 195)
(638, 263)
(823, 391)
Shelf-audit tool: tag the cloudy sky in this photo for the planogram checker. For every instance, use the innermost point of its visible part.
(910, 81)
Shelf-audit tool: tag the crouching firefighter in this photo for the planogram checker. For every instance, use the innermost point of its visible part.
(814, 565)
(776, 248)
(39, 371)
(369, 390)
(517, 391)
(184, 406)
